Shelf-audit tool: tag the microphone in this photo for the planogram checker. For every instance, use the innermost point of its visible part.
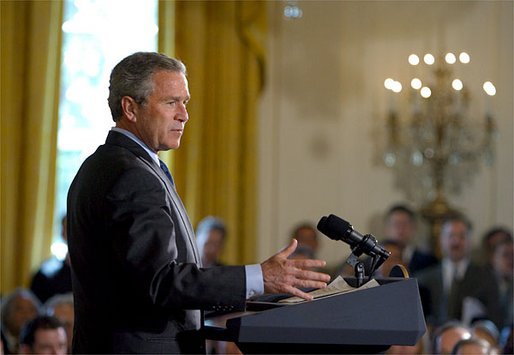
(338, 229)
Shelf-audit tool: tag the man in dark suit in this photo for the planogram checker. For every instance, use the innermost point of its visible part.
(456, 277)
(137, 278)
(400, 225)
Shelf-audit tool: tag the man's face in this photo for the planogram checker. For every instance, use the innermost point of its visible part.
(50, 341)
(400, 227)
(160, 120)
(503, 260)
(23, 310)
(455, 241)
(64, 312)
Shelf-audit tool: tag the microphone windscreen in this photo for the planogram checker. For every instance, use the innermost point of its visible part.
(334, 227)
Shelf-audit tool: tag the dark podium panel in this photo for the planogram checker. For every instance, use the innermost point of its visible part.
(365, 321)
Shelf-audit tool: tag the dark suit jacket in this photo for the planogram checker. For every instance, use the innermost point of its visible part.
(137, 283)
(477, 282)
(421, 260)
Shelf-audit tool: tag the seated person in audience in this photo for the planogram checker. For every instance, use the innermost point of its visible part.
(18, 307)
(471, 346)
(210, 239)
(400, 225)
(486, 330)
(61, 307)
(43, 335)
(491, 238)
(503, 268)
(54, 275)
(307, 236)
(447, 335)
(457, 278)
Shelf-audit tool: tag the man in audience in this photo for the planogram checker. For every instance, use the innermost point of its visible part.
(486, 330)
(472, 346)
(54, 275)
(503, 268)
(457, 277)
(400, 225)
(447, 335)
(61, 307)
(18, 307)
(210, 239)
(43, 335)
(491, 238)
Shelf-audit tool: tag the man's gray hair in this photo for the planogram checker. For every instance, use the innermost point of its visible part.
(54, 301)
(133, 77)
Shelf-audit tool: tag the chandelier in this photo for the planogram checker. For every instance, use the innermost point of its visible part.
(434, 144)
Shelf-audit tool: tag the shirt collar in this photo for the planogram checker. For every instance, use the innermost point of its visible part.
(132, 136)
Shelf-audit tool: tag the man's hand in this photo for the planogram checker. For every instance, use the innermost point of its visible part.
(282, 275)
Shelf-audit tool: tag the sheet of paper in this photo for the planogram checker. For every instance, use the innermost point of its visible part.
(337, 286)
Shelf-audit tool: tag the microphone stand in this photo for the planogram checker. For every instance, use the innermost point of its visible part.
(366, 246)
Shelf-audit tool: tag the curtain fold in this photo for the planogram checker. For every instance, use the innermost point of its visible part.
(222, 45)
(30, 69)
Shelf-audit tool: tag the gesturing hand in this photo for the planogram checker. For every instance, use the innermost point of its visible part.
(282, 275)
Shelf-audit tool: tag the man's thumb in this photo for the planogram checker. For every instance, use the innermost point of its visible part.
(288, 250)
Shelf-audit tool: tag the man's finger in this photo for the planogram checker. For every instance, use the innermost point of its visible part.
(298, 293)
(312, 275)
(288, 250)
(309, 284)
(307, 263)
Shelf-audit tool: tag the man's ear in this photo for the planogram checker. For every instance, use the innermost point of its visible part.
(129, 107)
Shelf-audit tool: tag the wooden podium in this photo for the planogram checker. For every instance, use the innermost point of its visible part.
(364, 321)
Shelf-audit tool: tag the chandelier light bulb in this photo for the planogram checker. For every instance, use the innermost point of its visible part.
(425, 92)
(489, 88)
(397, 87)
(457, 84)
(464, 58)
(416, 84)
(388, 83)
(413, 59)
(429, 59)
(450, 58)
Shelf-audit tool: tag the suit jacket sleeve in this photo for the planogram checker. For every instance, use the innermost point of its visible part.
(151, 249)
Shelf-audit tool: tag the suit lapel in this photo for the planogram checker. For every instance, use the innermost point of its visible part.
(117, 138)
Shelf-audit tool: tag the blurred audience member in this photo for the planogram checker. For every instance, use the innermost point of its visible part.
(503, 266)
(457, 278)
(400, 225)
(210, 239)
(486, 330)
(43, 335)
(18, 308)
(447, 335)
(54, 275)
(61, 307)
(307, 236)
(491, 238)
(472, 346)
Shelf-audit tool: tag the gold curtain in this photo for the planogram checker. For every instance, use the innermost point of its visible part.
(222, 45)
(30, 65)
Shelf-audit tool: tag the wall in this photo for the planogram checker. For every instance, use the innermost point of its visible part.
(325, 98)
